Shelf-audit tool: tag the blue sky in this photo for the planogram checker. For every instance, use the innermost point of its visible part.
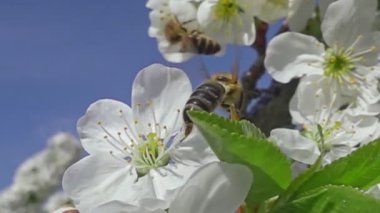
(59, 56)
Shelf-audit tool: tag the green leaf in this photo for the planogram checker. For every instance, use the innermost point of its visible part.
(337, 199)
(360, 169)
(251, 130)
(270, 167)
(296, 183)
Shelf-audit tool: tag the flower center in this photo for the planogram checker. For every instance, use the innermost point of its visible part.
(145, 150)
(227, 9)
(149, 154)
(337, 63)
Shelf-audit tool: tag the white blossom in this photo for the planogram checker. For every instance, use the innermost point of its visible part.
(296, 12)
(229, 21)
(272, 10)
(347, 65)
(40, 176)
(136, 154)
(338, 134)
(214, 188)
(174, 25)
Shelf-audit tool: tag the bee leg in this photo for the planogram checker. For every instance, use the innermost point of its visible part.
(234, 113)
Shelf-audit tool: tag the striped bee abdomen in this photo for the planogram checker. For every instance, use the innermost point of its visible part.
(204, 98)
(203, 44)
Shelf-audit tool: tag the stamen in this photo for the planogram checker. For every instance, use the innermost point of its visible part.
(122, 140)
(128, 136)
(371, 49)
(156, 130)
(122, 143)
(128, 125)
(113, 145)
(351, 47)
(148, 156)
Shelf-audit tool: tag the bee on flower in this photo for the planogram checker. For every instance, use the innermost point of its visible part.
(179, 35)
(136, 154)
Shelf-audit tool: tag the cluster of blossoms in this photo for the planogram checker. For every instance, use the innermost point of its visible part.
(337, 99)
(184, 28)
(40, 176)
(138, 160)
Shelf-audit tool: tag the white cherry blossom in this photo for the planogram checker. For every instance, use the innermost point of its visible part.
(229, 21)
(136, 154)
(349, 63)
(340, 133)
(296, 12)
(214, 188)
(39, 176)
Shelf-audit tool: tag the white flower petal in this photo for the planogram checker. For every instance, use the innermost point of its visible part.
(154, 4)
(345, 20)
(216, 187)
(294, 145)
(364, 44)
(159, 94)
(168, 179)
(364, 129)
(184, 10)
(368, 109)
(299, 13)
(272, 10)
(323, 5)
(66, 210)
(313, 100)
(374, 191)
(336, 153)
(155, 24)
(194, 150)
(113, 116)
(172, 53)
(100, 178)
(239, 29)
(291, 55)
(204, 13)
(120, 207)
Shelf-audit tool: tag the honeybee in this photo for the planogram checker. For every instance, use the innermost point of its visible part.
(222, 89)
(191, 42)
